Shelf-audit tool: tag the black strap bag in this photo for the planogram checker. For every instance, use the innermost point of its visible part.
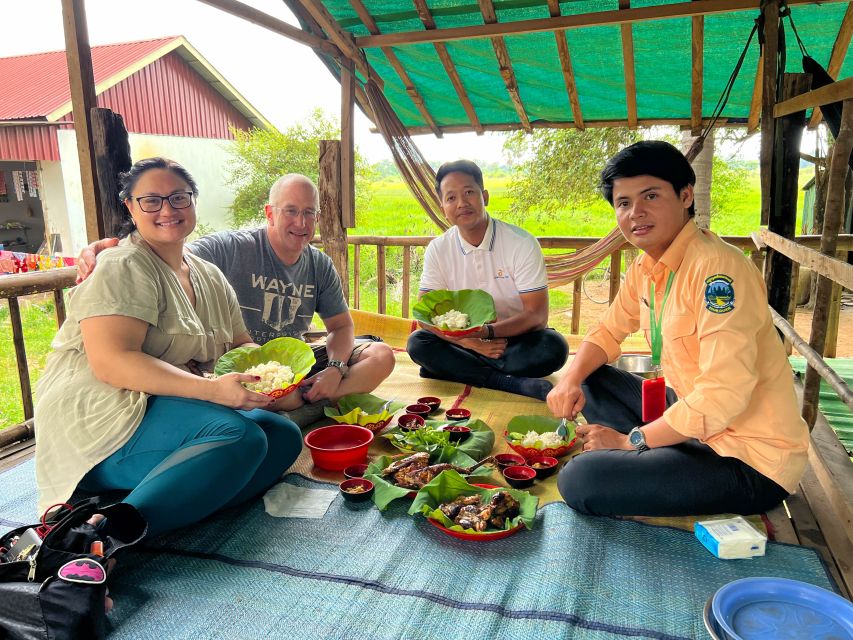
(53, 574)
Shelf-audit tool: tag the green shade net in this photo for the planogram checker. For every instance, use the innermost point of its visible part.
(830, 405)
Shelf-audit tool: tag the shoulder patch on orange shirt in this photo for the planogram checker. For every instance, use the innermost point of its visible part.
(719, 293)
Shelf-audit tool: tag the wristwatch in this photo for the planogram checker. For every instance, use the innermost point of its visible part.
(340, 366)
(638, 439)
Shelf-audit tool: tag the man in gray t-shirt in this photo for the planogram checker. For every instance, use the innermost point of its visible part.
(281, 280)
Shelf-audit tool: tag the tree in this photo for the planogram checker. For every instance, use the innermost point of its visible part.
(260, 156)
(555, 168)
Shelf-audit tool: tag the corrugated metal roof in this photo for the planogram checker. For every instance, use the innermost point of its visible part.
(35, 86)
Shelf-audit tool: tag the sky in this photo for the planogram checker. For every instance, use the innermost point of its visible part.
(281, 78)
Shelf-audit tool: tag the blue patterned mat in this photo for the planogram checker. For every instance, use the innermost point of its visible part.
(359, 573)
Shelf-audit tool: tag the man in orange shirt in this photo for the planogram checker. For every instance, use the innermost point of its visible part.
(731, 439)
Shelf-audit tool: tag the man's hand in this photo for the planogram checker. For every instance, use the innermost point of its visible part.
(566, 399)
(324, 384)
(597, 436)
(88, 257)
(491, 348)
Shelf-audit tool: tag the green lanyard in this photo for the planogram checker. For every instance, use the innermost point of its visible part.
(655, 322)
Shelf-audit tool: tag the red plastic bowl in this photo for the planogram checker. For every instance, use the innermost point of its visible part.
(544, 466)
(410, 422)
(457, 414)
(519, 477)
(431, 401)
(509, 460)
(418, 409)
(476, 537)
(336, 447)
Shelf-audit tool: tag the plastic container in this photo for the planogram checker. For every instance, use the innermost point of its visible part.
(336, 447)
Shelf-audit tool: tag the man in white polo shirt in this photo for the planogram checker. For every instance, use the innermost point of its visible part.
(479, 252)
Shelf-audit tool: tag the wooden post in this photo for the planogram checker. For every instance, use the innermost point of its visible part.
(783, 193)
(407, 279)
(380, 279)
(576, 305)
(83, 99)
(21, 357)
(356, 276)
(615, 273)
(832, 220)
(770, 13)
(332, 231)
(59, 304)
(112, 157)
(347, 149)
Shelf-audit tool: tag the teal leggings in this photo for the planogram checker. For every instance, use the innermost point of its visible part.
(190, 458)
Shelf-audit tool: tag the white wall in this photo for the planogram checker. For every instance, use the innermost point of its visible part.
(205, 159)
(54, 204)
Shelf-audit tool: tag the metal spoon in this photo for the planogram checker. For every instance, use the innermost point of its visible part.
(562, 429)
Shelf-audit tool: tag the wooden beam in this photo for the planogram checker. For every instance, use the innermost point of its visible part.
(83, 99)
(449, 68)
(836, 58)
(331, 229)
(21, 357)
(754, 120)
(833, 220)
(566, 67)
(250, 14)
(593, 19)
(770, 13)
(347, 149)
(505, 65)
(698, 73)
(836, 92)
(550, 124)
(826, 265)
(343, 40)
(628, 68)
(411, 90)
(407, 280)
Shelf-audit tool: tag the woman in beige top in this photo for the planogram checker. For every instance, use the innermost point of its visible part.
(121, 404)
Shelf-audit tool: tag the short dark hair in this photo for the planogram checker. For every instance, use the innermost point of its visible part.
(648, 158)
(128, 181)
(461, 166)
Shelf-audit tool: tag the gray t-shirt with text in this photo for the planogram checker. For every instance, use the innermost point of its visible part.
(276, 299)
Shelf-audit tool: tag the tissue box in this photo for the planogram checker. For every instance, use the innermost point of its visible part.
(731, 538)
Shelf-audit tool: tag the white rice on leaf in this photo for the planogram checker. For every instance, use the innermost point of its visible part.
(453, 319)
(547, 440)
(273, 375)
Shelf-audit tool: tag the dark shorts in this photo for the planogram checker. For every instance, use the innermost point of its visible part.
(322, 358)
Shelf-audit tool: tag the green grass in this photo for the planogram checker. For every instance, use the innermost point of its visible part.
(392, 212)
(39, 323)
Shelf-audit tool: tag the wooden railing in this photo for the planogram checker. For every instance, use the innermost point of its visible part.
(13, 287)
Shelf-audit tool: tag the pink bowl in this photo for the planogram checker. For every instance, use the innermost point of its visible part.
(336, 447)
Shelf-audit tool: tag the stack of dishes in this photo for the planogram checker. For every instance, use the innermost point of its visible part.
(772, 608)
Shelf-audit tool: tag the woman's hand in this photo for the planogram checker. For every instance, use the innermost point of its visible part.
(566, 399)
(228, 391)
(597, 436)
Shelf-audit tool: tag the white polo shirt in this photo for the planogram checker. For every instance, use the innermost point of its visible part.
(507, 263)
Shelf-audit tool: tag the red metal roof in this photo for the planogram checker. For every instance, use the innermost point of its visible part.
(34, 86)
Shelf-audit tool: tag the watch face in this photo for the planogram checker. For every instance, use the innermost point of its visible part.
(636, 437)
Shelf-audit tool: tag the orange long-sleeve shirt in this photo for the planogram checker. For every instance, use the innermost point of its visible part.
(721, 353)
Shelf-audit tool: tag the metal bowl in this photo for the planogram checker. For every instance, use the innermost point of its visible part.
(636, 363)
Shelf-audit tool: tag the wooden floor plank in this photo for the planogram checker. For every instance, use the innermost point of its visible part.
(15, 454)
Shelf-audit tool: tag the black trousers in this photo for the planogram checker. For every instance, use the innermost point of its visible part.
(532, 355)
(684, 479)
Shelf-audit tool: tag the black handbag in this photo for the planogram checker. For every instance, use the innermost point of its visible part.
(55, 590)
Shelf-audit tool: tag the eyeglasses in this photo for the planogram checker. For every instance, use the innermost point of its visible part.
(293, 212)
(153, 204)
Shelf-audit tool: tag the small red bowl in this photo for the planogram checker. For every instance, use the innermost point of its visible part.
(457, 414)
(458, 432)
(509, 460)
(355, 470)
(336, 447)
(421, 410)
(431, 401)
(410, 422)
(519, 477)
(347, 487)
(544, 466)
